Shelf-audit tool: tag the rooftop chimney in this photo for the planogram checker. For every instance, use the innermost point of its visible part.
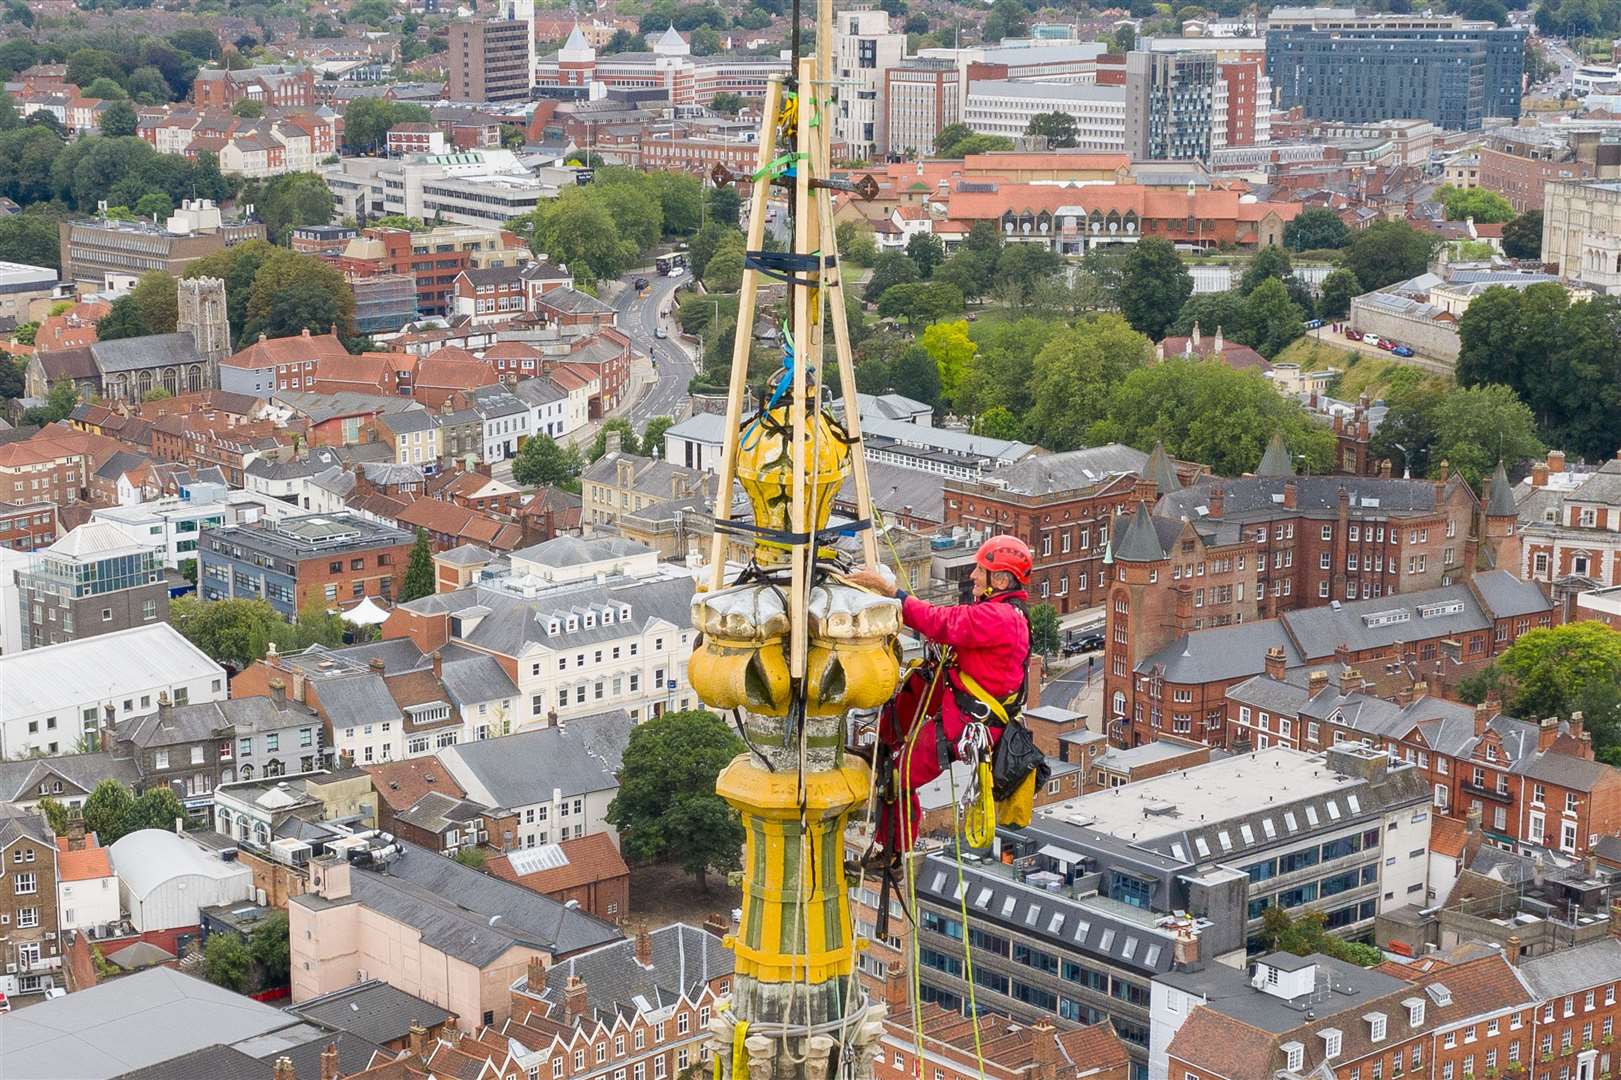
(1185, 950)
(575, 1000)
(1216, 497)
(897, 992)
(329, 1062)
(537, 974)
(438, 665)
(278, 693)
(1483, 716)
(1289, 494)
(1472, 836)
(1547, 732)
(165, 706)
(1556, 461)
(644, 948)
(283, 1069)
(614, 441)
(1511, 951)
(1350, 681)
(377, 664)
(1539, 475)
(1276, 665)
(1315, 682)
(419, 1041)
(76, 830)
(717, 925)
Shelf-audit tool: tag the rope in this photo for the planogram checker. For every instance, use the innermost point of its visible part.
(962, 900)
(903, 844)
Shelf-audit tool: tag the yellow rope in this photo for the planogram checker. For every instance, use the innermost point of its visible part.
(962, 899)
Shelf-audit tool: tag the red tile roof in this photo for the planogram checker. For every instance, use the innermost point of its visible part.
(590, 858)
(86, 864)
(268, 352)
(401, 784)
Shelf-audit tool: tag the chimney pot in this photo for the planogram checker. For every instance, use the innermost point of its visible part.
(377, 664)
(283, 1069)
(1511, 951)
(419, 1041)
(329, 1062)
(575, 999)
(537, 974)
(438, 665)
(278, 692)
(644, 948)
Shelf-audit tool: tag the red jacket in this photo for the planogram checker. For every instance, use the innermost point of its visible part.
(991, 639)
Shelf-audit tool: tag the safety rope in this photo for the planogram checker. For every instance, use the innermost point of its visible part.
(962, 900)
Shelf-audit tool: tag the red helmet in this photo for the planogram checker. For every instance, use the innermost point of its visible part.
(1006, 554)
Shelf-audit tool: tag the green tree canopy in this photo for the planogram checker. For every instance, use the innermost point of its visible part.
(1388, 252)
(891, 268)
(628, 443)
(1486, 207)
(1339, 288)
(857, 245)
(652, 440)
(1522, 237)
(959, 140)
(1316, 229)
(227, 962)
(155, 808)
(270, 945)
(1153, 287)
(236, 632)
(1555, 671)
(666, 805)
(1044, 635)
(1074, 374)
(921, 303)
(366, 121)
(292, 293)
(29, 238)
(118, 119)
(1058, 128)
(107, 809)
(1307, 933)
(287, 201)
(1203, 410)
(419, 570)
(1271, 320)
(926, 251)
(542, 462)
(1270, 262)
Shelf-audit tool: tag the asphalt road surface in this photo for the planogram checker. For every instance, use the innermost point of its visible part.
(638, 318)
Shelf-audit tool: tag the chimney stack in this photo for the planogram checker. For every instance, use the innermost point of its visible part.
(76, 830)
(1185, 950)
(278, 693)
(1350, 681)
(1044, 1049)
(1539, 475)
(644, 948)
(1511, 951)
(329, 1062)
(1216, 498)
(438, 665)
(1315, 682)
(575, 1000)
(1289, 494)
(165, 706)
(1556, 461)
(419, 1041)
(1483, 716)
(377, 665)
(283, 1069)
(717, 925)
(897, 992)
(1276, 665)
(1547, 732)
(614, 441)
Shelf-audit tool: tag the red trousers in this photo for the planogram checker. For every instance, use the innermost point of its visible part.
(898, 824)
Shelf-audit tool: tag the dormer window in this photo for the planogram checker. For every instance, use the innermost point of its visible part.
(573, 623)
(590, 619)
(1296, 1055)
(1415, 1011)
(624, 612)
(553, 626)
(1331, 1043)
(608, 617)
(1376, 1026)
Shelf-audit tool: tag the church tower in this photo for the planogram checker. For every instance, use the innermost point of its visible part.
(201, 305)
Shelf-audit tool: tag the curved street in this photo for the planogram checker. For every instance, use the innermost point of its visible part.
(673, 363)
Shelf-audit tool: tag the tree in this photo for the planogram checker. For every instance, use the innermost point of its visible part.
(724, 204)
(652, 440)
(227, 962)
(155, 297)
(56, 815)
(681, 198)
(1387, 252)
(87, 65)
(418, 570)
(543, 463)
(471, 856)
(1006, 20)
(155, 204)
(1074, 373)
(270, 945)
(366, 121)
(248, 108)
(1307, 933)
(1210, 312)
(946, 140)
(1020, 268)
(31, 239)
(1485, 207)
(627, 439)
(914, 374)
(666, 805)
(1522, 237)
(107, 809)
(890, 269)
(997, 422)
(921, 303)
(724, 270)
(1555, 671)
(292, 293)
(952, 351)
(1316, 229)
(926, 251)
(1480, 425)
(857, 245)
(1271, 319)
(1058, 128)
(123, 320)
(1203, 410)
(1339, 288)
(1269, 262)
(577, 229)
(156, 808)
(290, 200)
(1153, 286)
(59, 403)
(118, 119)
(1044, 636)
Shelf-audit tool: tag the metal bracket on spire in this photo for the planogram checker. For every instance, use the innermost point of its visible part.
(865, 188)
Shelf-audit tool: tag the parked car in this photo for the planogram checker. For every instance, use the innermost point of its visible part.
(1312, 324)
(1402, 350)
(55, 992)
(658, 332)
(1386, 344)
(1085, 643)
(1353, 335)
(5, 1002)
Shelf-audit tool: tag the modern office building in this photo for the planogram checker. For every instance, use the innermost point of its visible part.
(90, 250)
(920, 97)
(865, 50)
(491, 59)
(1104, 892)
(95, 580)
(1171, 105)
(1005, 107)
(318, 561)
(1339, 65)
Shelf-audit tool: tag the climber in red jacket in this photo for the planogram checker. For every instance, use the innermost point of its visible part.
(990, 652)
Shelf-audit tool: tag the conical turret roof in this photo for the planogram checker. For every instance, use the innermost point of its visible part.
(1159, 469)
(1136, 539)
(1276, 462)
(1500, 499)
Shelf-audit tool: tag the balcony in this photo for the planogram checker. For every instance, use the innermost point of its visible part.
(1469, 787)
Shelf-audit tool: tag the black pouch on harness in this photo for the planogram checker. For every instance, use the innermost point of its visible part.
(1015, 758)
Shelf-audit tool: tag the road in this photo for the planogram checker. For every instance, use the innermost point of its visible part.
(639, 317)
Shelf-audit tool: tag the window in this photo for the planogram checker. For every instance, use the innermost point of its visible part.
(22, 884)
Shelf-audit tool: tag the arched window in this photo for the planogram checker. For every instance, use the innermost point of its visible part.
(171, 380)
(247, 772)
(194, 378)
(1120, 703)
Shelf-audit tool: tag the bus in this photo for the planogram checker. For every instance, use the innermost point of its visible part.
(668, 264)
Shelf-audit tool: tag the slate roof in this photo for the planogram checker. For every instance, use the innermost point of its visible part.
(1604, 486)
(684, 959)
(1159, 469)
(353, 700)
(1136, 537)
(526, 768)
(478, 678)
(16, 824)
(1260, 498)
(152, 350)
(20, 780)
(435, 812)
(1501, 500)
(191, 723)
(1276, 460)
(451, 906)
(1073, 470)
(373, 1010)
(209, 1063)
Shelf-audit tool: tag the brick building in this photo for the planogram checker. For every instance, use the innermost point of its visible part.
(1535, 784)
(26, 526)
(319, 562)
(271, 85)
(1570, 525)
(29, 947)
(587, 871)
(288, 363)
(1061, 505)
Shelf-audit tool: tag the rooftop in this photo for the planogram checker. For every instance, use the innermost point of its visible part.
(104, 668)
